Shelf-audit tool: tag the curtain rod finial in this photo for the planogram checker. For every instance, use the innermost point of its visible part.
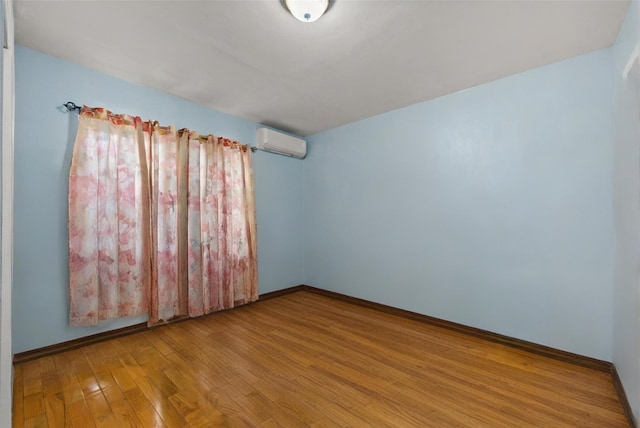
(70, 106)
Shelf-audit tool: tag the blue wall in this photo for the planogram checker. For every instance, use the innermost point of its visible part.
(43, 143)
(626, 202)
(490, 207)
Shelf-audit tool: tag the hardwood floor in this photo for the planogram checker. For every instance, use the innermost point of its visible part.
(308, 360)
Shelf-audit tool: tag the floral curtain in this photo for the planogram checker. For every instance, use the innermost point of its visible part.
(108, 231)
(172, 212)
(204, 224)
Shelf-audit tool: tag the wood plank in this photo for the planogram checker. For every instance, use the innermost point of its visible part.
(124, 415)
(143, 408)
(38, 422)
(32, 382)
(78, 415)
(33, 406)
(99, 408)
(53, 394)
(18, 396)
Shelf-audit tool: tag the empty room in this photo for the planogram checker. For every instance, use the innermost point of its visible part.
(320, 213)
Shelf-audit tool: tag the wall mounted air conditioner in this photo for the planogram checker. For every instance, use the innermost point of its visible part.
(277, 142)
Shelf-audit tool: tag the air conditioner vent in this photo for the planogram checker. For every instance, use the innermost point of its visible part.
(283, 144)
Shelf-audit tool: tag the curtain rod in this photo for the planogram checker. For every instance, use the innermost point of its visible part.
(71, 106)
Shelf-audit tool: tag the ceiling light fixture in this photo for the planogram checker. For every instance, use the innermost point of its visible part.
(307, 10)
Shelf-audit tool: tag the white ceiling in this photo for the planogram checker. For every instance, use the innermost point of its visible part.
(254, 60)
